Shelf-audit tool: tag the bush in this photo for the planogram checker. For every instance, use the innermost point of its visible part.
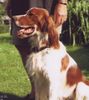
(4, 28)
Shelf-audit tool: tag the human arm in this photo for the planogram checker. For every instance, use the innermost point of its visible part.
(60, 13)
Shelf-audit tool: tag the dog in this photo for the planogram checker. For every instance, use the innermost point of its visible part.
(55, 73)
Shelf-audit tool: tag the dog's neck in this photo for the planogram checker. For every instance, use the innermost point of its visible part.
(38, 41)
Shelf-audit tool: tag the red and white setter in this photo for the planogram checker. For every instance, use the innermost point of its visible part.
(55, 73)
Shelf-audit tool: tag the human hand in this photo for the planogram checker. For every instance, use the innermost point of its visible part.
(60, 14)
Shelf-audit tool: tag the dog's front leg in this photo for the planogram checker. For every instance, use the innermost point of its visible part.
(54, 88)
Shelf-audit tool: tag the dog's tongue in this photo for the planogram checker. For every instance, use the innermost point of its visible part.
(29, 30)
(25, 32)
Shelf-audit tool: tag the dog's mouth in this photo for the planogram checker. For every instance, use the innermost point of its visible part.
(26, 27)
(26, 31)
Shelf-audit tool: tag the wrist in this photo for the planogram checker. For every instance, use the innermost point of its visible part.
(64, 2)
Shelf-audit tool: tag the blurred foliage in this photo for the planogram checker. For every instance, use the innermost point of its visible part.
(2, 10)
(76, 30)
(4, 28)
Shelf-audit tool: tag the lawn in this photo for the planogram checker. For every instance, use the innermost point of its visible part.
(81, 56)
(13, 78)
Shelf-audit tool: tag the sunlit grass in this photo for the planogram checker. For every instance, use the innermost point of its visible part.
(13, 78)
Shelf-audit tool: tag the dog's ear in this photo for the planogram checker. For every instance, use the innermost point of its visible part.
(46, 24)
(52, 33)
(39, 16)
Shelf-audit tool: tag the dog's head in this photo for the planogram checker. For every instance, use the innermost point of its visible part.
(37, 21)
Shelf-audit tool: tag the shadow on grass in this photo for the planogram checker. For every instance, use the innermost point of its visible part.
(81, 56)
(7, 96)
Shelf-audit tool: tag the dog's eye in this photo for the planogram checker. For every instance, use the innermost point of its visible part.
(30, 14)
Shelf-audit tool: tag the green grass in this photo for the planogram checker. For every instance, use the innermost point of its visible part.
(81, 56)
(13, 78)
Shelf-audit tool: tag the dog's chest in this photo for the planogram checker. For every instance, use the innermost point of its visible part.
(48, 60)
